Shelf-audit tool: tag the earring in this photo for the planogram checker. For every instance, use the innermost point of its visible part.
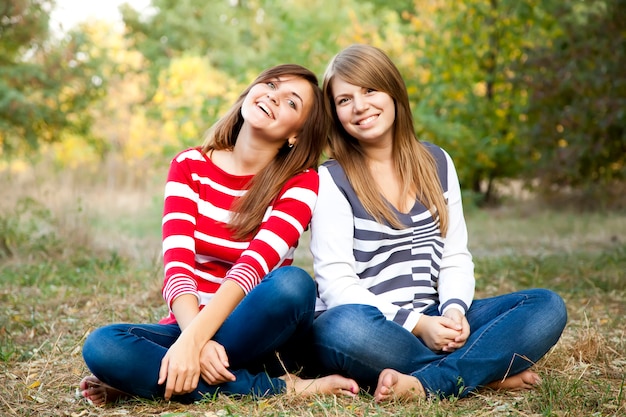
(291, 145)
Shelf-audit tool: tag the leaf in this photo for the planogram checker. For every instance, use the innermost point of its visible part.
(35, 384)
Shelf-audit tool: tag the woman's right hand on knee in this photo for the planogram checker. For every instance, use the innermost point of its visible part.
(214, 364)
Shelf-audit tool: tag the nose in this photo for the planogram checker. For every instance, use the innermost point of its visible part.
(272, 98)
(360, 103)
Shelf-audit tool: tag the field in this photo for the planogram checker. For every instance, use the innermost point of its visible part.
(81, 251)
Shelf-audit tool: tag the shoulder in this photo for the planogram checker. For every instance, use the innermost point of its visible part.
(443, 161)
(437, 152)
(190, 153)
(332, 169)
(188, 156)
(308, 179)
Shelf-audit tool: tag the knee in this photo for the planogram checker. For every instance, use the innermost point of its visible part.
(100, 348)
(350, 324)
(553, 307)
(293, 285)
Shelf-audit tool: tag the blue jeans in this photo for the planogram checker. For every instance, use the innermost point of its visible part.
(508, 334)
(272, 317)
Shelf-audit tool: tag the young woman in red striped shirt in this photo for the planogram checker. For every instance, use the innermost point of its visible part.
(233, 213)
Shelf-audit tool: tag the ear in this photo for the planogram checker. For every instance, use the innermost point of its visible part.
(291, 141)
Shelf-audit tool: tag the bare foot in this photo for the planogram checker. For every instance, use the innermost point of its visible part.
(395, 385)
(331, 384)
(524, 380)
(99, 393)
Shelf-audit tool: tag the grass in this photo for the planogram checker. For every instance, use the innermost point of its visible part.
(76, 254)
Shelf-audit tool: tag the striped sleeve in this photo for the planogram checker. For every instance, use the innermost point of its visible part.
(180, 210)
(284, 223)
(456, 276)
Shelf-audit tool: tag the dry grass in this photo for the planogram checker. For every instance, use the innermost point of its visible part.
(91, 258)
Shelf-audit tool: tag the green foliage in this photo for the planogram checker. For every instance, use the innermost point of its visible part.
(27, 229)
(580, 273)
(215, 30)
(463, 86)
(45, 84)
(466, 64)
(576, 131)
(507, 87)
(240, 38)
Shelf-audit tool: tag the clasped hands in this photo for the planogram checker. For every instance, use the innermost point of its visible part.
(445, 333)
(184, 364)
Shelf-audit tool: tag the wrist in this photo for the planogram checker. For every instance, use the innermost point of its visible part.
(417, 329)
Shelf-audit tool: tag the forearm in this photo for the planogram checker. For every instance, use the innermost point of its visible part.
(185, 309)
(207, 322)
(456, 276)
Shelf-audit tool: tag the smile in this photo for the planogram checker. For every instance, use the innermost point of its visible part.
(266, 110)
(367, 120)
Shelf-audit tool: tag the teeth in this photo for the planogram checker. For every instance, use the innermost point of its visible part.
(365, 121)
(266, 109)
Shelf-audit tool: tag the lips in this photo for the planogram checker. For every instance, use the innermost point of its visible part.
(367, 120)
(265, 109)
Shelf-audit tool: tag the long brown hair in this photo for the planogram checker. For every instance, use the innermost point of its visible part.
(368, 66)
(267, 183)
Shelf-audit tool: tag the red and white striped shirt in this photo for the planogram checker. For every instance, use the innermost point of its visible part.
(199, 252)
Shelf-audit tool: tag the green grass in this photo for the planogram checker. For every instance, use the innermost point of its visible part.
(64, 272)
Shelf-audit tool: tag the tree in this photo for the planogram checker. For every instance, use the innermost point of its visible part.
(189, 27)
(576, 133)
(463, 83)
(44, 84)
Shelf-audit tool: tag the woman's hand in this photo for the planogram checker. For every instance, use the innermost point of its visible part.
(442, 333)
(180, 368)
(214, 364)
(459, 318)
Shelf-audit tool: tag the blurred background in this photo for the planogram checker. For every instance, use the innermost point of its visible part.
(520, 92)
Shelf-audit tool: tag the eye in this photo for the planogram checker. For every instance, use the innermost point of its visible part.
(271, 85)
(291, 103)
(342, 100)
(369, 90)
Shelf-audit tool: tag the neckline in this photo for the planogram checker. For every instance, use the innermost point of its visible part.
(209, 158)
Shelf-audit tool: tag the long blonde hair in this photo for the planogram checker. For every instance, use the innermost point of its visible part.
(368, 66)
(266, 184)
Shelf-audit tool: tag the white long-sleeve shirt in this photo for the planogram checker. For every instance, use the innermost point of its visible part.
(400, 271)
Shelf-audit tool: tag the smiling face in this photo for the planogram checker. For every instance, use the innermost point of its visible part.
(278, 107)
(365, 114)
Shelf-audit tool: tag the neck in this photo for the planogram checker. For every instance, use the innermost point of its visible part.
(250, 154)
(379, 155)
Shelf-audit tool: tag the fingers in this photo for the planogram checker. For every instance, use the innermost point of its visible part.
(163, 370)
(216, 374)
(452, 324)
(214, 364)
(180, 384)
(177, 381)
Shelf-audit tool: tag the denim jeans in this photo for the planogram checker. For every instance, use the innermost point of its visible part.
(509, 333)
(272, 317)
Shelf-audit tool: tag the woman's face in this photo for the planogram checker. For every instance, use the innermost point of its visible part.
(367, 115)
(278, 108)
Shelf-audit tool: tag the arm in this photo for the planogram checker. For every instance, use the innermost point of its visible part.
(279, 233)
(332, 234)
(456, 275)
(180, 211)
